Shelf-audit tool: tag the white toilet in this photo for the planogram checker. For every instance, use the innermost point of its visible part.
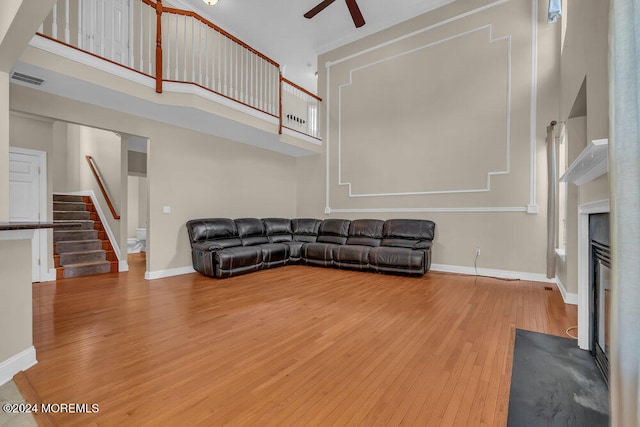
(139, 243)
(141, 235)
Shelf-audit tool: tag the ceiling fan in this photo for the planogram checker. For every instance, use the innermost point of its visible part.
(356, 15)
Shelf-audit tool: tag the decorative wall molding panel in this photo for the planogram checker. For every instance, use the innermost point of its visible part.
(483, 39)
(337, 146)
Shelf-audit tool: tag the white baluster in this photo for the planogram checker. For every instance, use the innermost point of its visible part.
(226, 64)
(177, 49)
(67, 31)
(238, 72)
(79, 25)
(218, 60)
(102, 33)
(200, 52)
(184, 40)
(261, 84)
(167, 43)
(141, 41)
(151, 41)
(93, 12)
(232, 70)
(54, 22)
(206, 55)
(113, 36)
(193, 52)
(130, 38)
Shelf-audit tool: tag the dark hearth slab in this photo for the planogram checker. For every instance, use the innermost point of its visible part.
(554, 383)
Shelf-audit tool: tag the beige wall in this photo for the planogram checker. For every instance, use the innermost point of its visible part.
(584, 57)
(421, 122)
(196, 175)
(15, 303)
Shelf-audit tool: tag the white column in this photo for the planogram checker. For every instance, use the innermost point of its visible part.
(624, 181)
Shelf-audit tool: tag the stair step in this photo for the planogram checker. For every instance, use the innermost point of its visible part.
(82, 257)
(78, 246)
(86, 269)
(84, 224)
(65, 236)
(69, 206)
(71, 215)
(67, 198)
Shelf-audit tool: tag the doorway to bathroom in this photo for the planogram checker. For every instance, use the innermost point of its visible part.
(138, 200)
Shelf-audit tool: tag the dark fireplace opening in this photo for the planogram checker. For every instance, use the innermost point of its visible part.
(600, 286)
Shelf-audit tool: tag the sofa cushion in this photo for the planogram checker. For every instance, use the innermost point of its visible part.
(366, 232)
(278, 229)
(240, 256)
(334, 231)
(305, 229)
(418, 229)
(295, 250)
(318, 251)
(211, 228)
(251, 231)
(396, 257)
(355, 254)
(274, 253)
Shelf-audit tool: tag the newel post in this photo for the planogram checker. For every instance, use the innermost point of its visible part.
(159, 46)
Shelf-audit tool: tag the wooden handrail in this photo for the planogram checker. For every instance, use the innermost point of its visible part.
(289, 82)
(221, 31)
(102, 188)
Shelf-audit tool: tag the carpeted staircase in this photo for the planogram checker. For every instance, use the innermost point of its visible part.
(85, 251)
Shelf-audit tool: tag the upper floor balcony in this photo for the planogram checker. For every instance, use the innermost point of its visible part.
(194, 73)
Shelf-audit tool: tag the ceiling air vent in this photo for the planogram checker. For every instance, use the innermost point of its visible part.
(36, 81)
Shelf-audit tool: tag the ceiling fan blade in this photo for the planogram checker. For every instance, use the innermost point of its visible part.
(319, 8)
(356, 15)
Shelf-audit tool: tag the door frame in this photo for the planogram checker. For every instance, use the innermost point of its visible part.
(46, 275)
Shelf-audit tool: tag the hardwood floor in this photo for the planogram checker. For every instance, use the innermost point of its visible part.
(289, 346)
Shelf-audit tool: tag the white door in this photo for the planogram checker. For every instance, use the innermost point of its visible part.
(25, 199)
(105, 29)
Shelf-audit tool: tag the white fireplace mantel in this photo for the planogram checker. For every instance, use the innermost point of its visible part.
(590, 164)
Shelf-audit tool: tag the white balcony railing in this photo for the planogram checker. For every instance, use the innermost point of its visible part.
(299, 109)
(174, 45)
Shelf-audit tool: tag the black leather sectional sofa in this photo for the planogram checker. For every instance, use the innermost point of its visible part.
(223, 247)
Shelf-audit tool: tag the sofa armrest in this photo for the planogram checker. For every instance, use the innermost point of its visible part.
(216, 245)
(423, 244)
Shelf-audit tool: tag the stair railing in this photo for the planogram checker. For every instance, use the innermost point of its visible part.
(177, 46)
(96, 174)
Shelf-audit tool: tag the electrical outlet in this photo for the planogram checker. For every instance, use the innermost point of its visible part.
(477, 251)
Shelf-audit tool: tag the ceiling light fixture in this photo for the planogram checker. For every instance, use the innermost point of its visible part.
(210, 2)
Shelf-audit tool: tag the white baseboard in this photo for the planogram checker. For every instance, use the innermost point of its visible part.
(503, 274)
(123, 265)
(566, 296)
(20, 362)
(150, 275)
(51, 276)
